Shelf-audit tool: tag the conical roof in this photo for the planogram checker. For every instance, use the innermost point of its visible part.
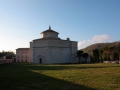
(50, 30)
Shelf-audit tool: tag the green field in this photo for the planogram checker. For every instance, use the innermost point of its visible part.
(60, 77)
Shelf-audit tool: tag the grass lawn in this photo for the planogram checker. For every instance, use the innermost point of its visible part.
(60, 77)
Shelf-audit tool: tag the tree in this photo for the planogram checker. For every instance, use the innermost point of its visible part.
(79, 54)
(101, 55)
(119, 50)
(106, 52)
(116, 55)
(2, 53)
(85, 55)
(8, 55)
(96, 55)
(111, 53)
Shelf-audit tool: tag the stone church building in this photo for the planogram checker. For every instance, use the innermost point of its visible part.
(49, 49)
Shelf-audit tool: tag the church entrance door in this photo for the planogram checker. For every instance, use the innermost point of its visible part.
(40, 60)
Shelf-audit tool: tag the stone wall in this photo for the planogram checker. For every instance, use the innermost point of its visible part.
(114, 62)
(51, 43)
(73, 52)
(49, 34)
(3, 60)
(51, 55)
(54, 51)
(31, 52)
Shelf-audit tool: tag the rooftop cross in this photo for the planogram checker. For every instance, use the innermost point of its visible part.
(49, 27)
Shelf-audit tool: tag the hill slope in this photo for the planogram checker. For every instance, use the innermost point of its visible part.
(100, 46)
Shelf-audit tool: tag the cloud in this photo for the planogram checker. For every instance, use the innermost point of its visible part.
(95, 39)
(99, 39)
(80, 44)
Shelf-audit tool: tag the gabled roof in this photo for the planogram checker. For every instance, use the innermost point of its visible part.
(50, 30)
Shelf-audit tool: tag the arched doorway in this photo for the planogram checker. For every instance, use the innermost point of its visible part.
(40, 60)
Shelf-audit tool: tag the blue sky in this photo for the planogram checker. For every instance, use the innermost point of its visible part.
(85, 21)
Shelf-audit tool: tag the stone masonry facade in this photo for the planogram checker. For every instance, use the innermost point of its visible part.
(49, 49)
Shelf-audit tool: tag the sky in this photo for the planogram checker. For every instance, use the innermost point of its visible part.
(84, 21)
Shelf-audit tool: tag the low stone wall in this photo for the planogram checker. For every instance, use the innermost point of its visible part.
(2, 61)
(114, 62)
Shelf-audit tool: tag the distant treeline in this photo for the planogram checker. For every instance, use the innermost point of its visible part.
(8, 54)
(103, 51)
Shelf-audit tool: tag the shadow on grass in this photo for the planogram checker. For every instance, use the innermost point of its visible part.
(18, 77)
